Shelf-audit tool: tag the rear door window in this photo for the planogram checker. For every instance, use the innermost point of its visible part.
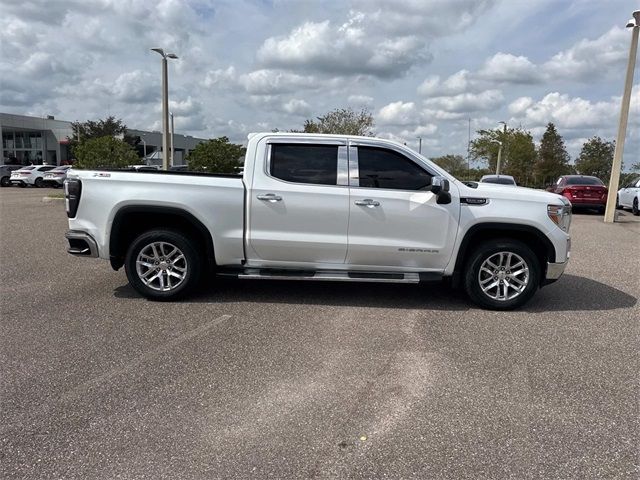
(314, 164)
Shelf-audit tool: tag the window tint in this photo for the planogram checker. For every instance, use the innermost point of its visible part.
(500, 181)
(381, 168)
(584, 181)
(46, 169)
(316, 164)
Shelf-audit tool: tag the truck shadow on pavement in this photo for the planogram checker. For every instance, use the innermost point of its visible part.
(569, 293)
(572, 292)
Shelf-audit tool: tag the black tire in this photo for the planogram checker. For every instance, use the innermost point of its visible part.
(601, 210)
(618, 206)
(484, 252)
(192, 265)
(22, 185)
(38, 182)
(634, 208)
(5, 182)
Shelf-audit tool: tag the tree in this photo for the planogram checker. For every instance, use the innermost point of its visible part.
(456, 165)
(104, 152)
(553, 159)
(518, 151)
(596, 158)
(216, 156)
(90, 129)
(341, 121)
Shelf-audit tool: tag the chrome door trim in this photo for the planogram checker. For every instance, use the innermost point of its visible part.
(354, 171)
(343, 166)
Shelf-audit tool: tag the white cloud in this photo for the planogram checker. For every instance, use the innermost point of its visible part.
(270, 82)
(459, 82)
(504, 67)
(297, 107)
(592, 58)
(360, 100)
(220, 77)
(520, 105)
(567, 112)
(397, 113)
(136, 87)
(467, 102)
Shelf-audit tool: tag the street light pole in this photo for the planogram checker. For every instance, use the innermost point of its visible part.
(499, 163)
(499, 157)
(172, 133)
(609, 214)
(165, 107)
(420, 145)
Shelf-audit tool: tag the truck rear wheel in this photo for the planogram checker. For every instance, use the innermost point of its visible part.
(502, 274)
(163, 265)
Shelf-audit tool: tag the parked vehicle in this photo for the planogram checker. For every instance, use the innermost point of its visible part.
(144, 168)
(179, 168)
(56, 177)
(31, 175)
(321, 207)
(582, 191)
(629, 196)
(499, 179)
(5, 174)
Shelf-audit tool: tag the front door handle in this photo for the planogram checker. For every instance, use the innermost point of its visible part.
(367, 202)
(269, 197)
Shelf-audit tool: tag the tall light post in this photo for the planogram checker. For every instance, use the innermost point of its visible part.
(420, 145)
(609, 214)
(172, 133)
(499, 163)
(165, 106)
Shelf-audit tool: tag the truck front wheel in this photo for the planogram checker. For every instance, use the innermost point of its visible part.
(163, 265)
(502, 274)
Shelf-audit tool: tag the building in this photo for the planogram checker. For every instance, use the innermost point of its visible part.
(37, 140)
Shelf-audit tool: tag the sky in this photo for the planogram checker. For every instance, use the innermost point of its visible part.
(423, 68)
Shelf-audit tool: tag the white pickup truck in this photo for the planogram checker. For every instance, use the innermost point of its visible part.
(321, 207)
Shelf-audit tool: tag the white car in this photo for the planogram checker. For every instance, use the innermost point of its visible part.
(31, 175)
(499, 180)
(56, 177)
(629, 196)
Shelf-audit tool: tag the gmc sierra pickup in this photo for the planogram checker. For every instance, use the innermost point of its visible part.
(321, 207)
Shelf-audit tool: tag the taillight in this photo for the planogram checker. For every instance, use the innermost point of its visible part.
(567, 192)
(72, 191)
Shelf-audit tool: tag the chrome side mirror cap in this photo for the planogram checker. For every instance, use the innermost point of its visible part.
(439, 185)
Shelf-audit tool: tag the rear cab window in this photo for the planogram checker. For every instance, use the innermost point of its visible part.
(302, 163)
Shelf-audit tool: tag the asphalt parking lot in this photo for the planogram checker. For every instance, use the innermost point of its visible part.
(313, 380)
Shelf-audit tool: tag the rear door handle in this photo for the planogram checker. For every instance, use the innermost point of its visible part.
(367, 202)
(269, 197)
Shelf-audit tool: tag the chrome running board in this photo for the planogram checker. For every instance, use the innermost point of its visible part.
(333, 276)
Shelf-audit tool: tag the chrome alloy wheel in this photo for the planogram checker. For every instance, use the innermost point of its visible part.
(503, 276)
(161, 266)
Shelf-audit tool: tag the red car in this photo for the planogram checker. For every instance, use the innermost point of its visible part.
(582, 191)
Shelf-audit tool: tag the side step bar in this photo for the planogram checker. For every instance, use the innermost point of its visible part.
(335, 276)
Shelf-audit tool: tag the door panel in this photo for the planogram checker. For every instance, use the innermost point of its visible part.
(298, 222)
(392, 227)
(406, 229)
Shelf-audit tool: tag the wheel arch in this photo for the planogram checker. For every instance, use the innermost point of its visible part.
(529, 235)
(132, 220)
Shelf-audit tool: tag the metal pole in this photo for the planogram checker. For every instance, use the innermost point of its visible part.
(172, 132)
(499, 159)
(469, 152)
(165, 115)
(144, 148)
(609, 214)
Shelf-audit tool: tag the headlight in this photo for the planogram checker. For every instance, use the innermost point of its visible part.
(560, 215)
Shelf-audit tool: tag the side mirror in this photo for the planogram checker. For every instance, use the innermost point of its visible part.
(439, 185)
